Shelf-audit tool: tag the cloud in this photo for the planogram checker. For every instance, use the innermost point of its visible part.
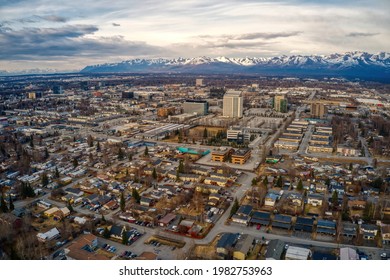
(54, 18)
(361, 34)
(265, 36)
(68, 41)
(115, 24)
(250, 36)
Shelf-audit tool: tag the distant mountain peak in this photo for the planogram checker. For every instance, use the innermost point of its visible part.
(355, 63)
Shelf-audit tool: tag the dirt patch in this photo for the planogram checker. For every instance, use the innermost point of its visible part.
(166, 241)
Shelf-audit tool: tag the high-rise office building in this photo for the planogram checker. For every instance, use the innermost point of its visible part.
(318, 110)
(200, 107)
(58, 89)
(127, 94)
(233, 104)
(280, 103)
(199, 82)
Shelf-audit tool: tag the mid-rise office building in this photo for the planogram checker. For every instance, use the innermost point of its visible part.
(280, 103)
(200, 107)
(318, 110)
(233, 104)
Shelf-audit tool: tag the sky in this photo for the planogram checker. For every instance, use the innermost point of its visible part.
(68, 35)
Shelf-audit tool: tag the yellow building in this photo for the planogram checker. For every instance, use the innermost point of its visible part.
(241, 156)
(221, 155)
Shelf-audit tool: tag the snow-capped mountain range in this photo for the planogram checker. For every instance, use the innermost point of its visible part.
(350, 64)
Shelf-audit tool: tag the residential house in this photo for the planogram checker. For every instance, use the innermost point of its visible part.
(270, 199)
(216, 181)
(348, 253)
(275, 249)
(200, 171)
(225, 245)
(74, 191)
(326, 227)
(242, 247)
(369, 231)
(111, 205)
(260, 218)
(304, 224)
(295, 199)
(167, 220)
(282, 221)
(298, 253)
(146, 201)
(385, 231)
(49, 235)
(315, 199)
(349, 230)
(242, 215)
(83, 248)
(117, 231)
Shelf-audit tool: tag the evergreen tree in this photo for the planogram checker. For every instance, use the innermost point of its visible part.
(254, 182)
(279, 182)
(265, 181)
(98, 149)
(300, 185)
(122, 203)
(327, 182)
(146, 152)
(11, 203)
(120, 154)
(135, 195)
(130, 157)
(106, 233)
(44, 180)
(154, 174)
(90, 141)
(70, 207)
(177, 175)
(125, 238)
(75, 162)
(3, 205)
(32, 141)
(335, 198)
(235, 207)
(57, 173)
(46, 153)
(181, 167)
(205, 133)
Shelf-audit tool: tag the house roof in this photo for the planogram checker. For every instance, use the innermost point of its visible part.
(116, 230)
(348, 254)
(369, 227)
(282, 218)
(307, 228)
(244, 210)
(326, 224)
(77, 252)
(304, 221)
(227, 240)
(244, 243)
(261, 215)
(281, 225)
(275, 249)
(167, 218)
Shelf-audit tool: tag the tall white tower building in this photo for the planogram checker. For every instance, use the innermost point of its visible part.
(233, 104)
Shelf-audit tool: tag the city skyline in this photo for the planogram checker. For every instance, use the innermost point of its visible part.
(71, 35)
